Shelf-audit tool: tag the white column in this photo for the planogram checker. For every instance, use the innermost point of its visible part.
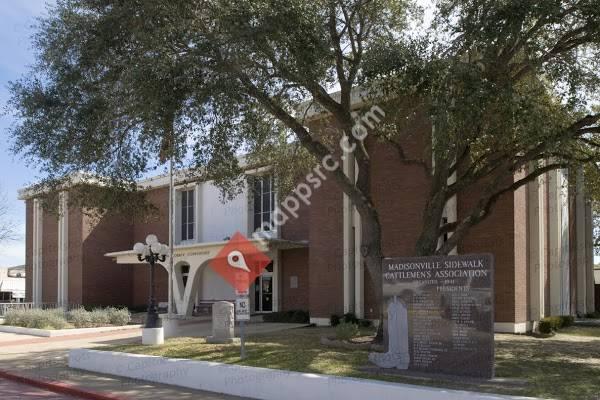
(536, 191)
(589, 252)
(581, 236)
(359, 270)
(36, 282)
(558, 228)
(63, 249)
(554, 240)
(197, 211)
(348, 238)
(276, 281)
(565, 283)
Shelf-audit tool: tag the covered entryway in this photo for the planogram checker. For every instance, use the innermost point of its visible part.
(195, 284)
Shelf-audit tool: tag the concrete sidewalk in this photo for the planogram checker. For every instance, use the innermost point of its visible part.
(52, 366)
(10, 390)
(46, 359)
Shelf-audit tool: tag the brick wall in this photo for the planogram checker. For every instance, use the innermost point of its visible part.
(105, 282)
(399, 192)
(141, 284)
(294, 263)
(496, 235)
(326, 260)
(49, 258)
(75, 258)
(297, 228)
(157, 223)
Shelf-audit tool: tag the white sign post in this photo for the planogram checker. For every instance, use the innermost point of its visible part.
(242, 314)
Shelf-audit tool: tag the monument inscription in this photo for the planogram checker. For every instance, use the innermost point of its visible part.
(439, 315)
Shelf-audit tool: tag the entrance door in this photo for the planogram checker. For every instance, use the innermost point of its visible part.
(263, 291)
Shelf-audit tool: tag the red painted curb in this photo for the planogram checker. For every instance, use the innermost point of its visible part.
(58, 387)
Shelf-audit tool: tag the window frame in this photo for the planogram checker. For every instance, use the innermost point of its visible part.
(264, 200)
(187, 226)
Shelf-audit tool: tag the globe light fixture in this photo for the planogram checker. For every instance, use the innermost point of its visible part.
(151, 252)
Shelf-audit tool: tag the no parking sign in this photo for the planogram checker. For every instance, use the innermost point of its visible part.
(242, 307)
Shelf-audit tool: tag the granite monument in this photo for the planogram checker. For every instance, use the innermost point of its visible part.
(439, 315)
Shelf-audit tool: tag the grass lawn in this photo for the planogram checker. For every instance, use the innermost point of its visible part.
(566, 366)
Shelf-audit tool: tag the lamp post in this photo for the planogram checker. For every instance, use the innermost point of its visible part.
(151, 252)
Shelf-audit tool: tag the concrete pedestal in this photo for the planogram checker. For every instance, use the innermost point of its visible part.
(153, 336)
(170, 326)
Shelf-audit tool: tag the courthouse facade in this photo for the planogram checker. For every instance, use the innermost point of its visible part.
(540, 236)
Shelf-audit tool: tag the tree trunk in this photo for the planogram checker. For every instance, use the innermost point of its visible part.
(373, 255)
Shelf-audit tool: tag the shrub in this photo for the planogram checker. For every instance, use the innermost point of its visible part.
(14, 318)
(365, 323)
(138, 309)
(566, 321)
(37, 318)
(291, 316)
(80, 318)
(334, 320)
(595, 315)
(556, 322)
(118, 316)
(346, 331)
(99, 317)
(301, 317)
(350, 318)
(545, 327)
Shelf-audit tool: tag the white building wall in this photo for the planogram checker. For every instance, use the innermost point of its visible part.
(221, 220)
(214, 287)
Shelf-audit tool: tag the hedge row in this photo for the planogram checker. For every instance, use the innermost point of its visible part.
(59, 319)
(552, 324)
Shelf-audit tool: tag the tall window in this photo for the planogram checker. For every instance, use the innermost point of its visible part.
(264, 202)
(187, 215)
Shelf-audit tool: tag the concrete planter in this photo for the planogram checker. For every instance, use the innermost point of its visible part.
(153, 336)
(257, 383)
(63, 332)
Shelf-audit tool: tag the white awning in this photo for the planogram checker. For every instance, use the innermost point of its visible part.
(207, 250)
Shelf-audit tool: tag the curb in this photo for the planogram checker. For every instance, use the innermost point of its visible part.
(58, 387)
(52, 333)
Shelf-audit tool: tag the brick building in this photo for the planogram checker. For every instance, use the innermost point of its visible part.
(540, 237)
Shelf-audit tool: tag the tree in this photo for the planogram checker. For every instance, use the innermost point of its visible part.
(510, 90)
(7, 226)
(505, 85)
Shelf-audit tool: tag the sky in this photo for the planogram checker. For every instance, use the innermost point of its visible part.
(16, 54)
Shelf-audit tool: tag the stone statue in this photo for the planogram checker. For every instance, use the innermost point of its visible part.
(397, 355)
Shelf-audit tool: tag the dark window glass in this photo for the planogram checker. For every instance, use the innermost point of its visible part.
(187, 215)
(264, 202)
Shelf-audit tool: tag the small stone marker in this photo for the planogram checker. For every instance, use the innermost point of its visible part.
(222, 323)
